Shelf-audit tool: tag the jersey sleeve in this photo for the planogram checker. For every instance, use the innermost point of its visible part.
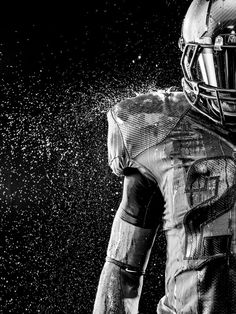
(118, 157)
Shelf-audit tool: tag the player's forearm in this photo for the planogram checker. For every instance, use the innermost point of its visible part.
(133, 232)
(118, 291)
(121, 280)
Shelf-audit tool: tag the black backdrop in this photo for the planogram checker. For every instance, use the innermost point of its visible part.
(61, 67)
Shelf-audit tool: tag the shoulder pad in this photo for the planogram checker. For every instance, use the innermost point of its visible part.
(170, 105)
(146, 120)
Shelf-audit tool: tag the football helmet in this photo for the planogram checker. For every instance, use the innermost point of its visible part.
(208, 44)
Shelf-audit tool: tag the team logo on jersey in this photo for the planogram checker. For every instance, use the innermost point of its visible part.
(210, 189)
(206, 177)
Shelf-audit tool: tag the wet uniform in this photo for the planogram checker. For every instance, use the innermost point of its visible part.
(162, 146)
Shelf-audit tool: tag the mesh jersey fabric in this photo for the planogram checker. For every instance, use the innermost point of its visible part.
(139, 123)
(192, 161)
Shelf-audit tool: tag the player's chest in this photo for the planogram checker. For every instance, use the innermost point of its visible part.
(202, 163)
(189, 143)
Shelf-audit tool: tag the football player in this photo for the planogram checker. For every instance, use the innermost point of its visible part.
(180, 145)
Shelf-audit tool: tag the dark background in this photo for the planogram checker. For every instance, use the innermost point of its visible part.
(61, 68)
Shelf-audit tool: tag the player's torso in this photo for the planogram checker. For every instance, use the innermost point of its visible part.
(195, 168)
(196, 171)
(194, 164)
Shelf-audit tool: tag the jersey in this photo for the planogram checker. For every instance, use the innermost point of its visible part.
(193, 164)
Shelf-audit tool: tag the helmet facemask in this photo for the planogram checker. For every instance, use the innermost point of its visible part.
(210, 77)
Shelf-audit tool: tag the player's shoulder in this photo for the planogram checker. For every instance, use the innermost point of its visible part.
(162, 103)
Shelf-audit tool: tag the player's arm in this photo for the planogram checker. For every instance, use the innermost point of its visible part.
(133, 232)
